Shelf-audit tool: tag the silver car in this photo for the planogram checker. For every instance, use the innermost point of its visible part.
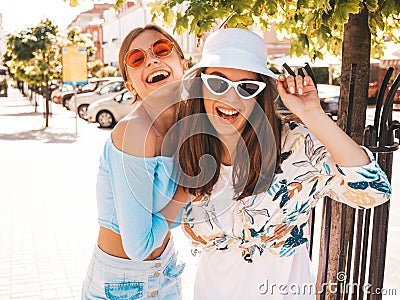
(108, 111)
(81, 102)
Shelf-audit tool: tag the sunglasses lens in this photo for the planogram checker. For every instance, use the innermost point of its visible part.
(134, 58)
(162, 48)
(217, 85)
(247, 89)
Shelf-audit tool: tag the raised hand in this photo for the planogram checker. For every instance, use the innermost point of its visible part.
(299, 95)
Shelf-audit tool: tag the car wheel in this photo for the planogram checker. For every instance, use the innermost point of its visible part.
(82, 111)
(105, 119)
(66, 103)
(66, 98)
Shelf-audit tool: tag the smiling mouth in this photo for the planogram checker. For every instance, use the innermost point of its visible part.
(229, 115)
(157, 76)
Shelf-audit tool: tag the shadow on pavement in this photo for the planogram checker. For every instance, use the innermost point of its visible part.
(19, 105)
(41, 134)
(22, 114)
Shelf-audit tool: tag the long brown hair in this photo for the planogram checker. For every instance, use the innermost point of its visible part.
(132, 35)
(255, 157)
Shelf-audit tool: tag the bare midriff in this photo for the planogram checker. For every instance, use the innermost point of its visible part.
(110, 242)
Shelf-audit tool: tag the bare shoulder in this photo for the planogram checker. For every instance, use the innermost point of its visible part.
(134, 136)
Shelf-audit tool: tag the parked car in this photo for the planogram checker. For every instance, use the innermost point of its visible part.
(91, 86)
(108, 111)
(62, 90)
(81, 102)
(328, 95)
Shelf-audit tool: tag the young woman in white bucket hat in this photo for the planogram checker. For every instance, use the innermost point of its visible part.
(134, 257)
(254, 178)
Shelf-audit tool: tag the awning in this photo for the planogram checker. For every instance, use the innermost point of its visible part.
(392, 55)
(390, 62)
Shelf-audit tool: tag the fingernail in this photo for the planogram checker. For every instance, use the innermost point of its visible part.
(292, 90)
(300, 91)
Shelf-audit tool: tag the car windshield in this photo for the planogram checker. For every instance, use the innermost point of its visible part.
(67, 88)
(125, 96)
(90, 87)
(112, 87)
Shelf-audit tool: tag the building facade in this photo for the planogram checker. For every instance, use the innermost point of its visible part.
(109, 27)
(118, 23)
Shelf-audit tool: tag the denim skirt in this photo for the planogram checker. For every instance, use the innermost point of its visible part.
(110, 277)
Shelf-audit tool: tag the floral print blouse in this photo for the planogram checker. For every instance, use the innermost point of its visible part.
(276, 221)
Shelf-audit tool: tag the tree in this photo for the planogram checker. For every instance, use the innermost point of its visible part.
(34, 55)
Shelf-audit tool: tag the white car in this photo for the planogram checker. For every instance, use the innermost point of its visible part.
(108, 111)
(58, 93)
(81, 102)
(92, 85)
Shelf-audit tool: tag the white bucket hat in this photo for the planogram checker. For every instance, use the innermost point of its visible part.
(233, 48)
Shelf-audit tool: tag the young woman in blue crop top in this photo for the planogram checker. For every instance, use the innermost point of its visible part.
(134, 256)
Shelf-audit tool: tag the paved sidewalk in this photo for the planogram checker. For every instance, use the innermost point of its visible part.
(48, 215)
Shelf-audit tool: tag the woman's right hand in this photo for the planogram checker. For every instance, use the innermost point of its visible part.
(299, 95)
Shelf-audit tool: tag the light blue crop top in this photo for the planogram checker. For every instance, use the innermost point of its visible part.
(131, 191)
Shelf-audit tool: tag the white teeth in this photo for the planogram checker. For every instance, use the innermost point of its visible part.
(227, 112)
(151, 76)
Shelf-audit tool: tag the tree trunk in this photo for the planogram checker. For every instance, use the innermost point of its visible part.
(47, 108)
(337, 241)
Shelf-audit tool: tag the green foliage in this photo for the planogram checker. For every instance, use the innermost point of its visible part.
(34, 55)
(118, 3)
(4, 84)
(31, 55)
(107, 71)
(94, 67)
(314, 27)
(97, 69)
(74, 36)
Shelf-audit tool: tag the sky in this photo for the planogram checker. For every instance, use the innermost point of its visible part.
(20, 14)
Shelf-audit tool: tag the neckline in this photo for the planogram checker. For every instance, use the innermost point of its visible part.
(114, 148)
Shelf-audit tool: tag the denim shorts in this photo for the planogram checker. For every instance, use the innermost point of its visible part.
(111, 277)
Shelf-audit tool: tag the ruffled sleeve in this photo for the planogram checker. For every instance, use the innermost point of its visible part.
(141, 187)
(360, 187)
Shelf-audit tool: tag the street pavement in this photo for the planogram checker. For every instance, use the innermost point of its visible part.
(48, 214)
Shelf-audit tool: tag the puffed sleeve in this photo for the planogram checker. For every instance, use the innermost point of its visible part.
(360, 187)
(140, 188)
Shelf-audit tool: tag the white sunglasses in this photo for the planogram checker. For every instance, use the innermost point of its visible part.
(246, 89)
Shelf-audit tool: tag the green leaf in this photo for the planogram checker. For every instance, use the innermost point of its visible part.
(182, 23)
(344, 9)
(271, 7)
(118, 3)
(372, 5)
(303, 39)
(169, 18)
(259, 8)
(156, 7)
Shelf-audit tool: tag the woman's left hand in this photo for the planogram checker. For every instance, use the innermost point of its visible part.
(299, 95)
